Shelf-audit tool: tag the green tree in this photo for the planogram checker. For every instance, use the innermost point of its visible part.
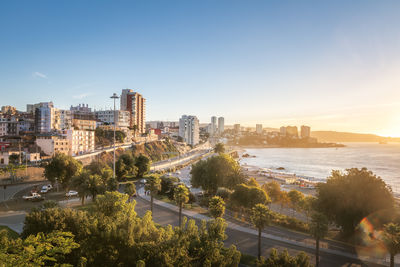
(217, 171)
(360, 193)
(62, 168)
(81, 184)
(95, 186)
(219, 148)
(318, 229)
(216, 207)
(153, 185)
(181, 196)
(273, 190)
(284, 259)
(125, 165)
(260, 217)
(168, 186)
(246, 197)
(252, 182)
(130, 190)
(296, 199)
(143, 165)
(391, 238)
(37, 250)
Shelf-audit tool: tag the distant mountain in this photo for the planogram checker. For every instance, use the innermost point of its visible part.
(332, 136)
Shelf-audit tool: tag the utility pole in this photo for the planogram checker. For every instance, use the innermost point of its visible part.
(114, 97)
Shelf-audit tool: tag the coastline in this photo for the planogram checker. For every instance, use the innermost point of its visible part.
(318, 145)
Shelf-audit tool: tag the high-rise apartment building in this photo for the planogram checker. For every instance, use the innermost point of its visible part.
(47, 117)
(134, 103)
(221, 125)
(189, 129)
(305, 131)
(259, 128)
(213, 125)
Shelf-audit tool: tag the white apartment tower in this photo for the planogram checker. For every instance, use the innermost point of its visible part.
(213, 125)
(189, 129)
(134, 103)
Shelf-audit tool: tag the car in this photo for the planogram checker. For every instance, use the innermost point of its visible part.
(143, 181)
(33, 197)
(44, 189)
(71, 193)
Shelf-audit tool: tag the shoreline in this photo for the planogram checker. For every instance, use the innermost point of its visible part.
(325, 145)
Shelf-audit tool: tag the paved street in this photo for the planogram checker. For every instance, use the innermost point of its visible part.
(247, 242)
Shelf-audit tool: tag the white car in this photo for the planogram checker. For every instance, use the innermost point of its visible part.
(71, 193)
(44, 189)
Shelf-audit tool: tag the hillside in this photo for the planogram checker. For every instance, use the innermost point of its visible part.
(332, 136)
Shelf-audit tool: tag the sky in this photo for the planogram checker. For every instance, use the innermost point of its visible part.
(333, 65)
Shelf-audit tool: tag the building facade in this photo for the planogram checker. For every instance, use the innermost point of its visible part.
(189, 129)
(259, 128)
(47, 118)
(107, 116)
(221, 125)
(305, 131)
(134, 103)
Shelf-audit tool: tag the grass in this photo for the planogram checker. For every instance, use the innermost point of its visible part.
(11, 233)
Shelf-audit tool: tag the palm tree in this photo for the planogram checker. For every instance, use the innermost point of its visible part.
(219, 148)
(181, 196)
(130, 190)
(318, 229)
(153, 185)
(391, 238)
(260, 217)
(95, 186)
(81, 184)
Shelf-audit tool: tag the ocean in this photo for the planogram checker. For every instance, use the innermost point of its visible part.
(382, 159)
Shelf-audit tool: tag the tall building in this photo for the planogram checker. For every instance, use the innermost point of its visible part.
(47, 117)
(292, 131)
(65, 119)
(189, 129)
(259, 128)
(305, 131)
(213, 125)
(221, 125)
(134, 103)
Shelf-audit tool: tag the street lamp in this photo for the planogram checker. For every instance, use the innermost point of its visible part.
(114, 96)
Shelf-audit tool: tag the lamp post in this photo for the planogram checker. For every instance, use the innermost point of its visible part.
(114, 96)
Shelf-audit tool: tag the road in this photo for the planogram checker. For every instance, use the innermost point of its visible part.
(247, 242)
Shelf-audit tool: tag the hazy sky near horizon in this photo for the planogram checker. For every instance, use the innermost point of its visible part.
(333, 66)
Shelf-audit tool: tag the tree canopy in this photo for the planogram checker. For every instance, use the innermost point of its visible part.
(247, 197)
(217, 171)
(346, 198)
(111, 234)
(216, 207)
(62, 168)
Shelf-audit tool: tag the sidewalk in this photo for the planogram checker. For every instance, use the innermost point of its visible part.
(234, 226)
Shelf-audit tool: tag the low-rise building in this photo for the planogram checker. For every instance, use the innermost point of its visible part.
(80, 141)
(52, 144)
(88, 125)
(107, 116)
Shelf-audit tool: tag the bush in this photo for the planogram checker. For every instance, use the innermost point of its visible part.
(192, 198)
(224, 193)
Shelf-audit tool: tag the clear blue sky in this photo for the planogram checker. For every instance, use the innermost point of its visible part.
(329, 65)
